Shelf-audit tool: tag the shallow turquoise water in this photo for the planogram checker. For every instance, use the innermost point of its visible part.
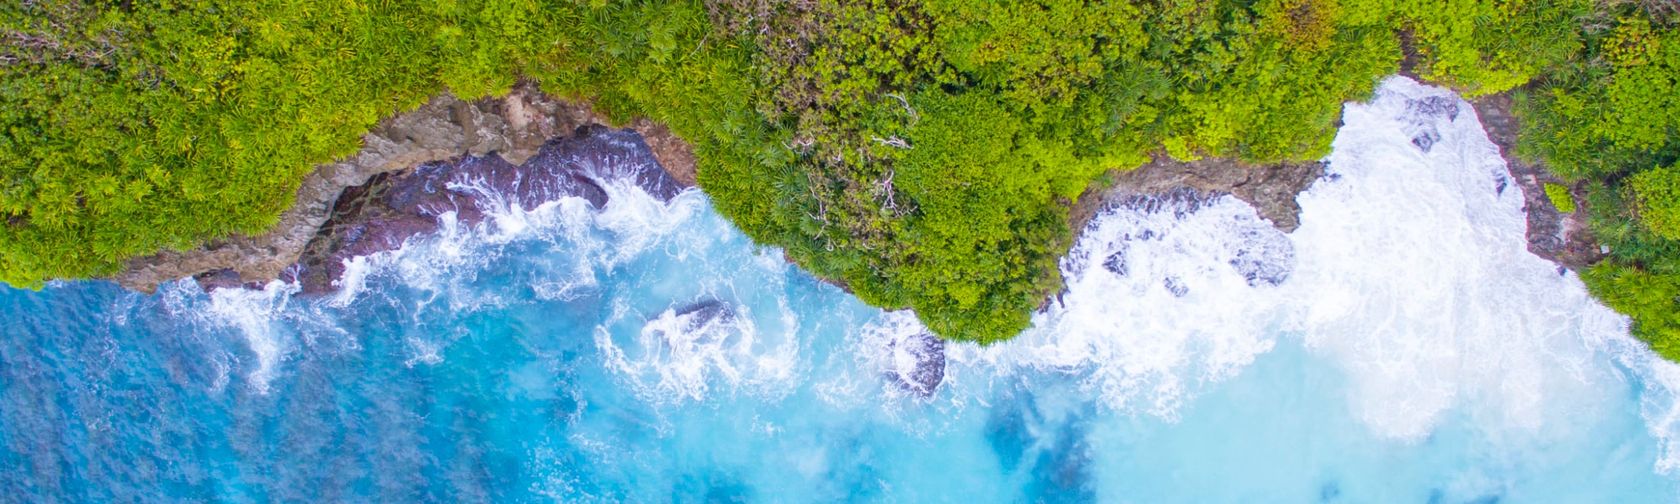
(1409, 351)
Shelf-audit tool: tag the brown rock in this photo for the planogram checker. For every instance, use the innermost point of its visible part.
(1561, 238)
(514, 127)
(1270, 189)
(673, 153)
(392, 207)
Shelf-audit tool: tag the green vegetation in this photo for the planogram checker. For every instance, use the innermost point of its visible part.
(1610, 120)
(1657, 193)
(924, 152)
(1559, 195)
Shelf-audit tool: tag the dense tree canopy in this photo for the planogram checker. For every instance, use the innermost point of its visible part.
(924, 152)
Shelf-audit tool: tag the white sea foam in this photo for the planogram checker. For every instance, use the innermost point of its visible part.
(1661, 409)
(257, 316)
(1154, 305)
(1415, 276)
(1410, 271)
(678, 356)
(444, 263)
(638, 221)
(668, 357)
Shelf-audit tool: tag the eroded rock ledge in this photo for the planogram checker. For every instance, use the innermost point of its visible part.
(1270, 189)
(515, 128)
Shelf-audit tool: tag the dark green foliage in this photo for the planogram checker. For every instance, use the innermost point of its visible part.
(923, 152)
(1616, 110)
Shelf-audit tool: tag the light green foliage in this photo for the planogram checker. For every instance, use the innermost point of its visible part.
(1560, 198)
(129, 131)
(1483, 47)
(1617, 111)
(923, 152)
(1658, 193)
(938, 144)
(981, 249)
(195, 120)
(1263, 85)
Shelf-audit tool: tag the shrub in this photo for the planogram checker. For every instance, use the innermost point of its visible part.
(1658, 192)
(1560, 197)
(1648, 298)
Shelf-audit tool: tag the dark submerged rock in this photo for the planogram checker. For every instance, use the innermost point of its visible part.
(1259, 271)
(1434, 106)
(705, 312)
(928, 371)
(1423, 113)
(1264, 258)
(1329, 491)
(224, 278)
(1116, 263)
(1426, 140)
(1051, 451)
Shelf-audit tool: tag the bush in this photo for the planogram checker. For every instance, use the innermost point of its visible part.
(1560, 197)
(1658, 191)
(1648, 298)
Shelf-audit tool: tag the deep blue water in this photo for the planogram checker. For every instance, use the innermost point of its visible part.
(1400, 347)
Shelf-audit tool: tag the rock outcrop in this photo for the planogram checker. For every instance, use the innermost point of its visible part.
(1561, 238)
(391, 207)
(1270, 189)
(514, 128)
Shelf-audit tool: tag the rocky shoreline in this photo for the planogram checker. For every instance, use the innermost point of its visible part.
(1562, 238)
(391, 207)
(491, 135)
(464, 159)
(1558, 237)
(535, 148)
(1270, 189)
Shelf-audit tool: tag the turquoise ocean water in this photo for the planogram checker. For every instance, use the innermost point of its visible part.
(1401, 346)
